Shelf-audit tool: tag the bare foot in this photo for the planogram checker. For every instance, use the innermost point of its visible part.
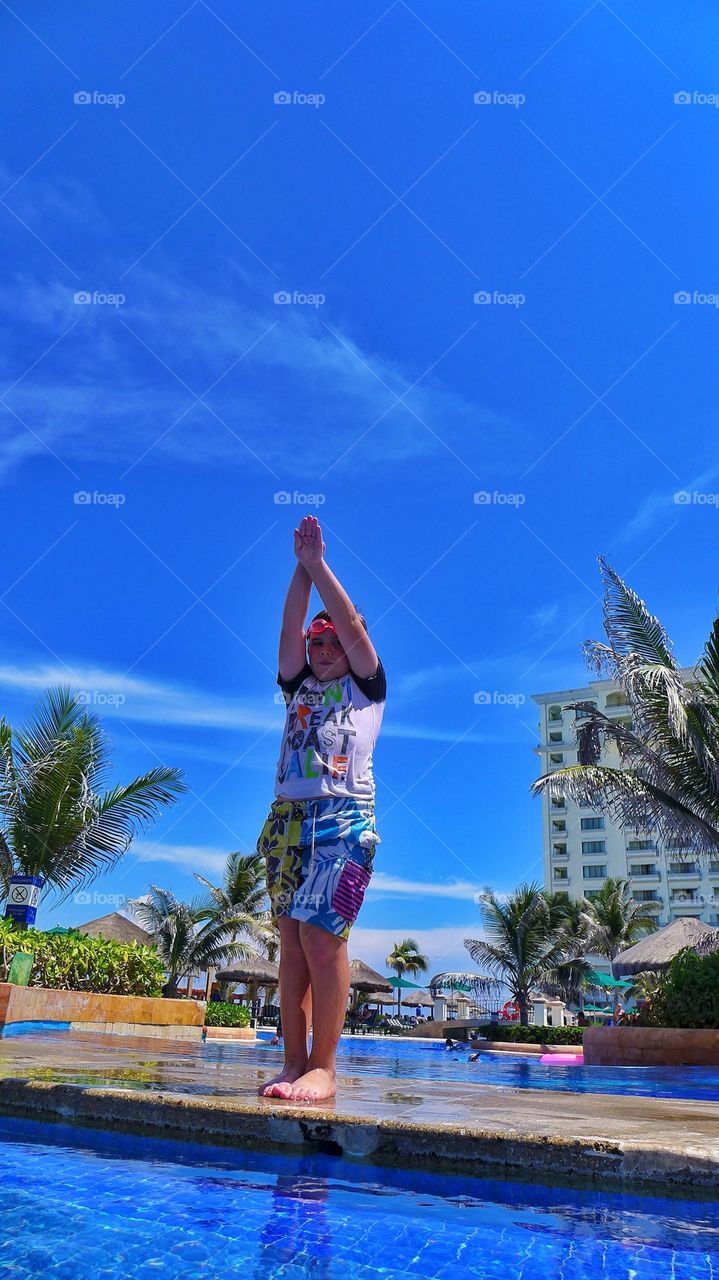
(281, 1086)
(317, 1085)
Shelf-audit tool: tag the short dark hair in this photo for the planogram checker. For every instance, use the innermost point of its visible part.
(325, 615)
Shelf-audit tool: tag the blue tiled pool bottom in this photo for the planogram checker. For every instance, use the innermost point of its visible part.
(427, 1060)
(78, 1204)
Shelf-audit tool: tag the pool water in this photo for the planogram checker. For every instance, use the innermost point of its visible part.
(80, 1204)
(427, 1060)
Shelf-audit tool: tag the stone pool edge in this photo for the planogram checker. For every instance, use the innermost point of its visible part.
(464, 1148)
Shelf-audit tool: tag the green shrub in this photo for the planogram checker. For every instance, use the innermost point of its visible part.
(512, 1032)
(221, 1013)
(688, 994)
(73, 962)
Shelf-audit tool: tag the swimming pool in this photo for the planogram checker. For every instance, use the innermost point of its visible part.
(430, 1060)
(81, 1204)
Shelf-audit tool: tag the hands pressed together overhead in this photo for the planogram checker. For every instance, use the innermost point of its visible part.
(309, 547)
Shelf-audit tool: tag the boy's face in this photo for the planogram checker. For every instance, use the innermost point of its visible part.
(327, 658)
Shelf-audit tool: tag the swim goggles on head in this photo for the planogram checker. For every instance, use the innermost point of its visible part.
(318, 628)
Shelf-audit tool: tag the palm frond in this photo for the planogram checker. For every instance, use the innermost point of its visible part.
(630, 626)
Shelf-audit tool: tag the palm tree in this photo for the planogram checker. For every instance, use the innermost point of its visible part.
(56, 824)
(242, 895)
(666, 775)
(186, 941)
(406, 957)
(572, 971)
(615, 921)
(525, 944)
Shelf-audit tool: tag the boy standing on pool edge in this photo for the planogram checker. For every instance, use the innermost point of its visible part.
(320, 836)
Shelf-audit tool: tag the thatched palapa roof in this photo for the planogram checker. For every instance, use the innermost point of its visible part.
(417, 998)
(261, 971)
(117, 928)
(363, 978)
(658, 949)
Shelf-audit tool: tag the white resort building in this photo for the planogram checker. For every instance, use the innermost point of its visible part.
(582, 846)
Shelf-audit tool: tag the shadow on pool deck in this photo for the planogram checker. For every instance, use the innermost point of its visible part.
(190, 1091)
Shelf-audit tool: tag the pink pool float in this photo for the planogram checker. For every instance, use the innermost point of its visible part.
(562, 1059)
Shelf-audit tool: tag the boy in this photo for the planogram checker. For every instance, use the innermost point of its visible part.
(320, 836)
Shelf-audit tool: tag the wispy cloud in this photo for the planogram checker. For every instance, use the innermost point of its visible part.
(137, 368)
(183, 857)
(662, 506)
(395, 886)
(443, 944)
(132, 698)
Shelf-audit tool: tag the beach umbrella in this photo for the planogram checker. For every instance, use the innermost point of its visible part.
(606, 980)
(260, 972)
(399, 984)
(117, 928)
(363, 978)
(417, 999)
(476, 984)
(378, 997)
(658, 949)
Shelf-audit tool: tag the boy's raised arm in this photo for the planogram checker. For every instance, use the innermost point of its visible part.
(352, 635)
(292, 655)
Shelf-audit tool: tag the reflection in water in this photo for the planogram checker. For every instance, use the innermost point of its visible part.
(296, 1234)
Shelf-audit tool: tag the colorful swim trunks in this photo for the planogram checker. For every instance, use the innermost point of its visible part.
(319, 856)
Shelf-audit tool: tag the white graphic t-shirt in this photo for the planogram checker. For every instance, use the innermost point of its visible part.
(330, 730)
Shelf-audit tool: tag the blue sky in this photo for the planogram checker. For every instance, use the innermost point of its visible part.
(381, 198)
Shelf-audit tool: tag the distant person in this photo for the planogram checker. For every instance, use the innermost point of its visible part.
(319, 839)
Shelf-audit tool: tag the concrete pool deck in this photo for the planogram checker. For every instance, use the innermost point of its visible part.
(182, 1090)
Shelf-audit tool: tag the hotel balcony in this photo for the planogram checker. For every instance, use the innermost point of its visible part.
(686, 901)
(648, 878)
(684, 874)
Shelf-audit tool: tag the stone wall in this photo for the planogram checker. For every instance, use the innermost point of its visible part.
(650, 1047)
(22, 1007)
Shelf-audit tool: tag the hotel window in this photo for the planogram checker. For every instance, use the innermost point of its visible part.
(643, 869)
(683, 869)
(556, 757)
(561, 873)
(594, 846)
(559, 802)
(595, 873)
(559, 826)
(555, 736)
(636, 845)
(582, 715)
(713, 868)
(559, 850)
(591, 893)
(555, 714)
(616, 700)
(592, 824)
